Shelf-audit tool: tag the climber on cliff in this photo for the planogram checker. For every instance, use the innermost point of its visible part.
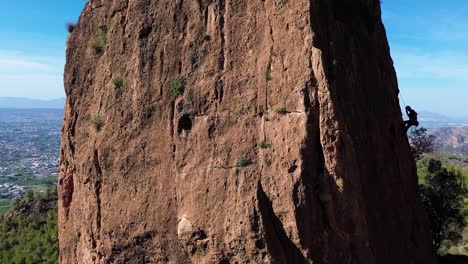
(413, 120)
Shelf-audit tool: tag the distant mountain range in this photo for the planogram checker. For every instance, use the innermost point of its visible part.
(451, 132)
(432, 120)
(26, 103)
(431, 115)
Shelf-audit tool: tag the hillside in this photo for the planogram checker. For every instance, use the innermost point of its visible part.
(235, 132)
(452, 139)
(28, 232)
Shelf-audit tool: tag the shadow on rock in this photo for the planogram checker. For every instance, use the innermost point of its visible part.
(280, 246)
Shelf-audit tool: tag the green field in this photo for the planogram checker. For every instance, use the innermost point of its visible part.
(31, 181)
(5, 205)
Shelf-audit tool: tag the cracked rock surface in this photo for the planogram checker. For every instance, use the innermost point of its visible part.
(241, 132)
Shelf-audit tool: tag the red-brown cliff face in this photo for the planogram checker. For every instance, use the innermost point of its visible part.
(283, 147)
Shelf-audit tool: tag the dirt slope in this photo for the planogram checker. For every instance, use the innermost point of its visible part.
(283, 147)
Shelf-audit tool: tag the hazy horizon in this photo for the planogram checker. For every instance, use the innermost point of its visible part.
(423, 112)
(31, 103)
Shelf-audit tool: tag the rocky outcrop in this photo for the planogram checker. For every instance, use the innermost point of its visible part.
(235, 132)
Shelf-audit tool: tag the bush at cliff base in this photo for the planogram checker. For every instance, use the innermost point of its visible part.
(28, 232)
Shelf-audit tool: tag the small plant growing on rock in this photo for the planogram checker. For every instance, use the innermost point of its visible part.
(264, 115)
(98, 42)
(117, 81)
(96, 121)
(281, 110)
(243, 161)
(267, 75)
(95, 45)
(76, 238)
(177, 87)
(264, 145)
(71, 27)
(102, 36)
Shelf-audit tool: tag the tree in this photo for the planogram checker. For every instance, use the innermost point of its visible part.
(29, 196)
(442, 197)
(421, 143)
(28, 232)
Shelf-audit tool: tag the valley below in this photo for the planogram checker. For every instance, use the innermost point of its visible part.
(29, 151)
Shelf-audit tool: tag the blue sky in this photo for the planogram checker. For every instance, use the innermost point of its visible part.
(429, 46)
(32, 46)
(428, 41)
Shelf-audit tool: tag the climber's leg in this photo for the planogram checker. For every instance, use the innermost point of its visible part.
(406, 125)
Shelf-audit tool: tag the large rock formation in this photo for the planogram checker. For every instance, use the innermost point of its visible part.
(282, 147)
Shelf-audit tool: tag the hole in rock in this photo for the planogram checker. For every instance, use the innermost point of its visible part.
(185, 123)
(292, 169)
(259, 244)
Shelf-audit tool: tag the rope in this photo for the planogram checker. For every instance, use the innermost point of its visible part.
(402, 100)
